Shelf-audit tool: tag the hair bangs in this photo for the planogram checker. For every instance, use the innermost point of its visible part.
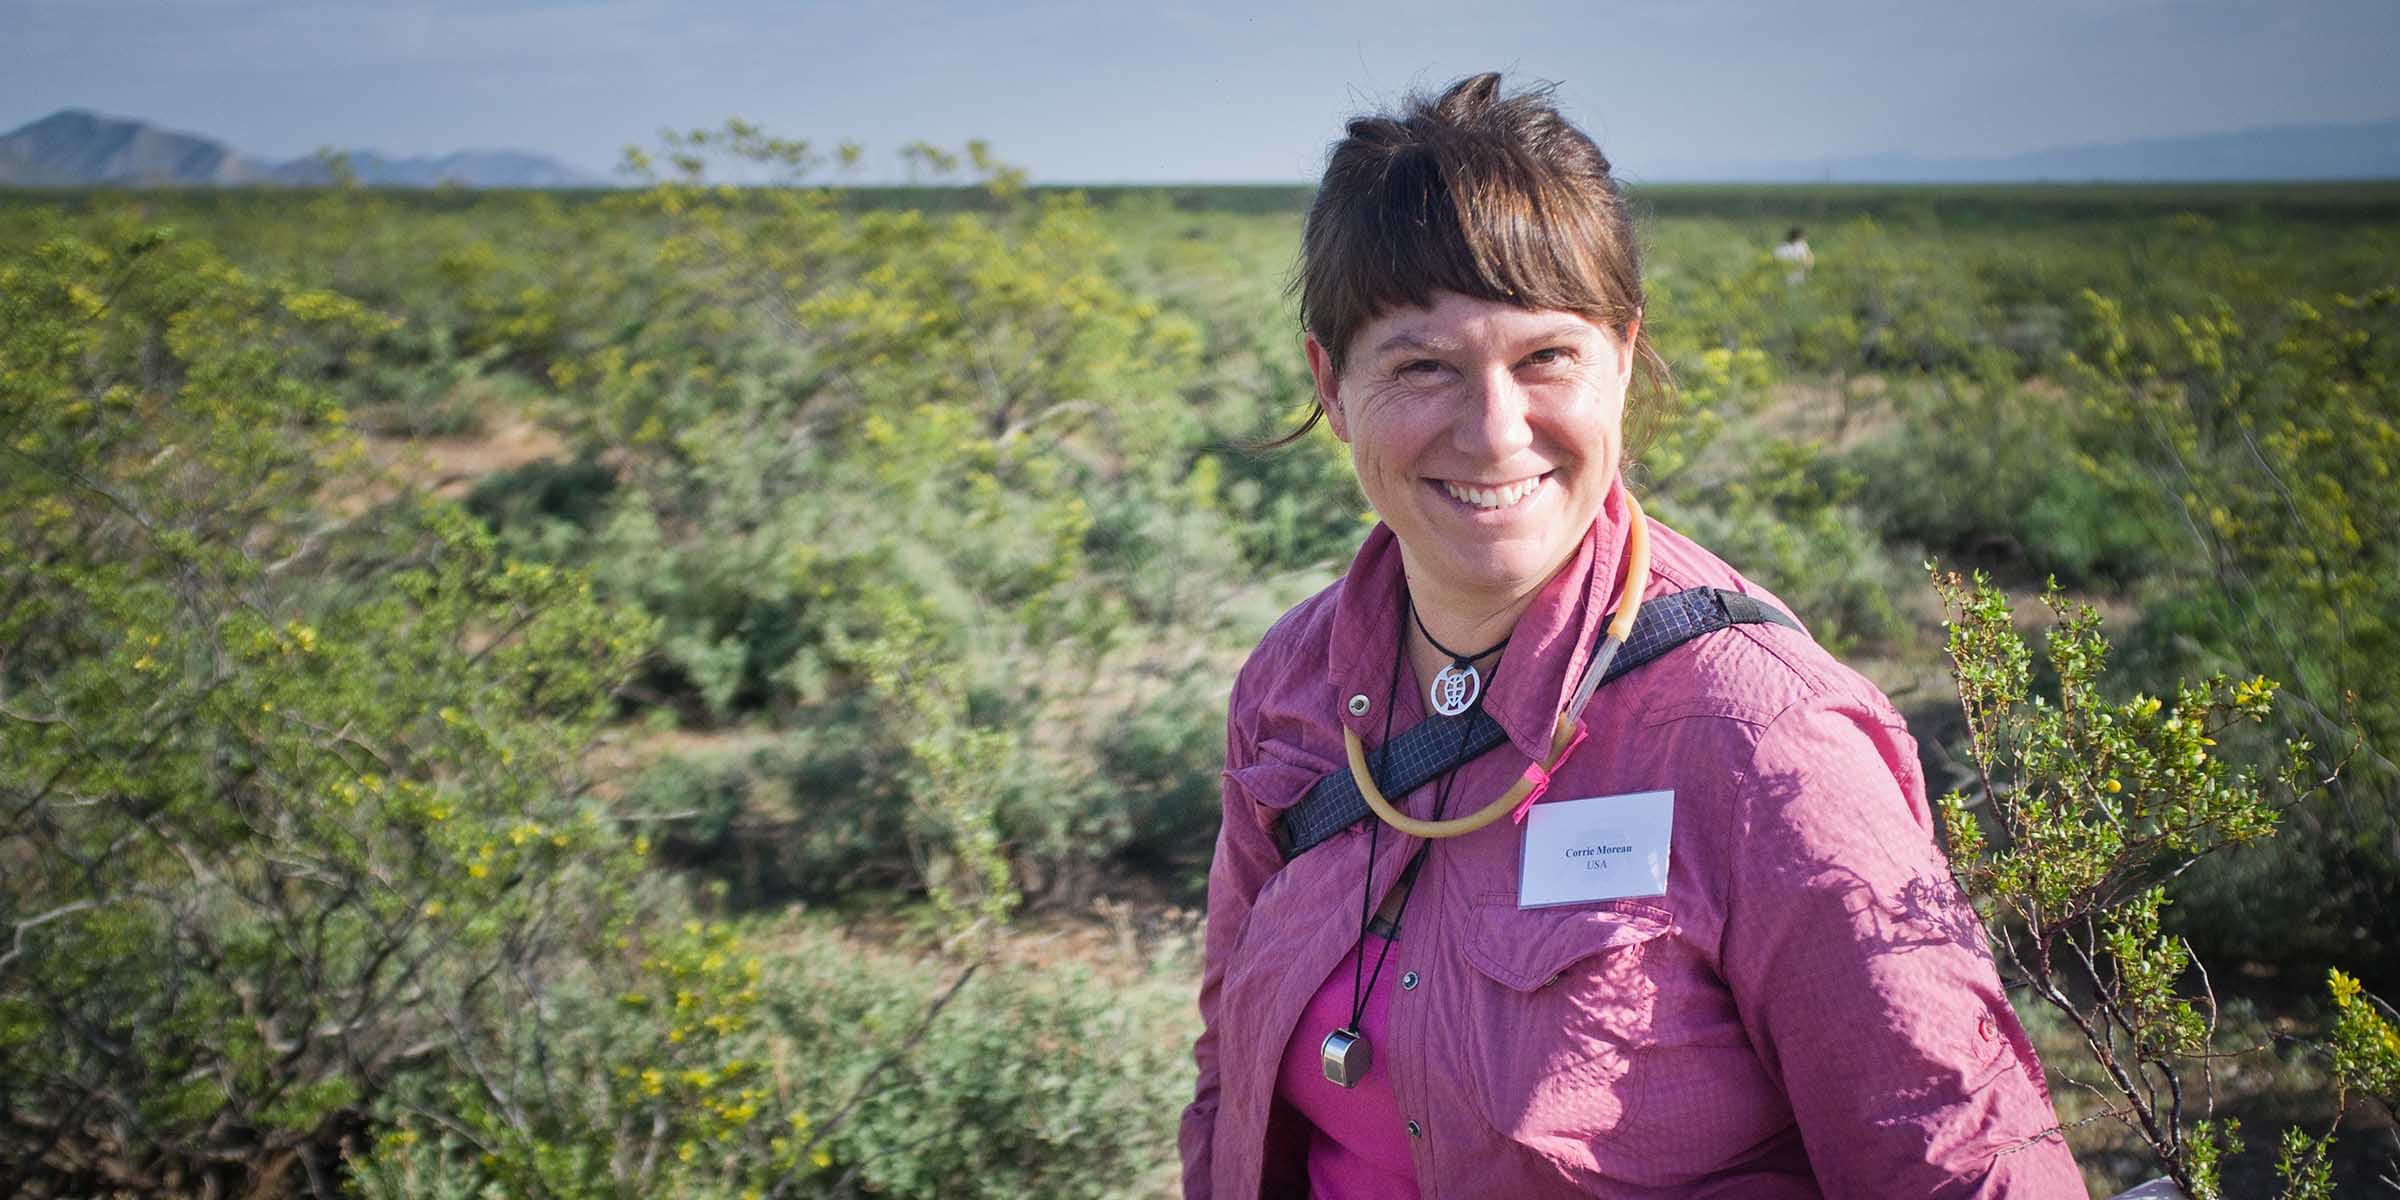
(1491, 196)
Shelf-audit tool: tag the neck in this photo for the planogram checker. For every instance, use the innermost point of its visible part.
(1467, 624)
(1468, 620)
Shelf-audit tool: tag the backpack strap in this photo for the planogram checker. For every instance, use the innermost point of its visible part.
(1425, 750)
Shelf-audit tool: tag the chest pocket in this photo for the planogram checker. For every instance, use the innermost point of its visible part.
(1526, 950)
(1569, 1006)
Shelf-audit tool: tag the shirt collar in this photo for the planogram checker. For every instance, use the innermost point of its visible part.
(1546, 651)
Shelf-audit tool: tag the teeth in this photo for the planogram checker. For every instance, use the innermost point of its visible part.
(1492, 497)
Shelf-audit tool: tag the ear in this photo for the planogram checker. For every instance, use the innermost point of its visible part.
(1329, 386)
(1626, 342)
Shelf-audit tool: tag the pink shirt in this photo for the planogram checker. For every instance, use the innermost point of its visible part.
(1810, 1010)
(1357, 1147)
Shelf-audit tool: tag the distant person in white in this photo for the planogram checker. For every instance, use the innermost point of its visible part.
(1794, 253)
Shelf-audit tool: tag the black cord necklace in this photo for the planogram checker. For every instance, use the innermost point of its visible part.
(1346, 1054)
(1456, 687)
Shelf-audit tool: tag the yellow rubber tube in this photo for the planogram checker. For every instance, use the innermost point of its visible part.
(1629, 605)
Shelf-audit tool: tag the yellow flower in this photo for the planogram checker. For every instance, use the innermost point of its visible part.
(821, 1156)
(2344, 988)
(478, 870)
(433, 908)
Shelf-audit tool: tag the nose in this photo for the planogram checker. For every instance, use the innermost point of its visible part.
(1494, 417)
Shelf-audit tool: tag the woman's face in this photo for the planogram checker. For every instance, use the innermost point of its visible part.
(1484, 434)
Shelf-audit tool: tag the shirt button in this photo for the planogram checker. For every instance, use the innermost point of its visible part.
(1359, 704)
(1414, 1131)
(1408, 982)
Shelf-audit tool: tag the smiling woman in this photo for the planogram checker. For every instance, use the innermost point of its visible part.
(1717, 951)
(1486, 436)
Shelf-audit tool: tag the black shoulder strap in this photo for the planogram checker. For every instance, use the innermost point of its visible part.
(1425, 750)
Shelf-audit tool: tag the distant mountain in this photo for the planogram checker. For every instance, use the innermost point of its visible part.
(78, 148)
(74, 146)
(467, 168)
(2275, 153)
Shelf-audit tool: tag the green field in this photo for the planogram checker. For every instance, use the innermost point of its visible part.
(522, 693)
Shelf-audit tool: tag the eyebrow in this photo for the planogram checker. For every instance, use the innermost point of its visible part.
(1405, 341)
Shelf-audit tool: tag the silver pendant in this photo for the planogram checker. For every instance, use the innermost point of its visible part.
(1455, 688)
(1346, 1056)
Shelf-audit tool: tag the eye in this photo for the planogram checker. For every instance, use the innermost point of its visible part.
(1550, 356)
(1419, 367)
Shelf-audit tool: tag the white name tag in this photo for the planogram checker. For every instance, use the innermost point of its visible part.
(1603, 848)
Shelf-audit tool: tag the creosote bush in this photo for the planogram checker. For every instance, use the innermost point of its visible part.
(2086, 808)
(288, 798)
(305, 887)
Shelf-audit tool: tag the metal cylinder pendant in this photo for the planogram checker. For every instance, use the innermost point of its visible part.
(1455, 688)
(1346, 1057)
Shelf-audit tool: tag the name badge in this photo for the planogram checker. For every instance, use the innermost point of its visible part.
(1602, 848)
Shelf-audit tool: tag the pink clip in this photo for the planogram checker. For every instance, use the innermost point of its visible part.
(1541, 777)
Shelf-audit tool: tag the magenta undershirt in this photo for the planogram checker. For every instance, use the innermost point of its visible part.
(1357, 1145)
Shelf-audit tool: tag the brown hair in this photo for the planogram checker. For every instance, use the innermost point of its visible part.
(1490, 196)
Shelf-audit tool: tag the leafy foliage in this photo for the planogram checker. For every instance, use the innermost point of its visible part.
(290, 799)
(2273, 437)
(2085, 807)
(901, 543)
(305, 876)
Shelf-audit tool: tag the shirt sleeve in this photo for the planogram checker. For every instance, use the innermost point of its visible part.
(1864, 979)
(1245, 858)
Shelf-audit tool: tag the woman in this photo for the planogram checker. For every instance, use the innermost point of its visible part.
(1716, 950)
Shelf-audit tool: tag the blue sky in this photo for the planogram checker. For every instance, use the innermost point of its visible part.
(1093, 92)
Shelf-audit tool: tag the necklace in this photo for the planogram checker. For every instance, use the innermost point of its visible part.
(1458, 686)
(1346, 1054)
(1563, 738)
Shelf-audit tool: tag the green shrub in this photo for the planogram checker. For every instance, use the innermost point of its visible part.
(575, 493)
(2007, 478)
(2084, 810)
(2271, 439)
(286, 797)
(1789, 522)
(789, 1062)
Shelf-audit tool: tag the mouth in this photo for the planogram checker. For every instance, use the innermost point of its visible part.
(1493, 497)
